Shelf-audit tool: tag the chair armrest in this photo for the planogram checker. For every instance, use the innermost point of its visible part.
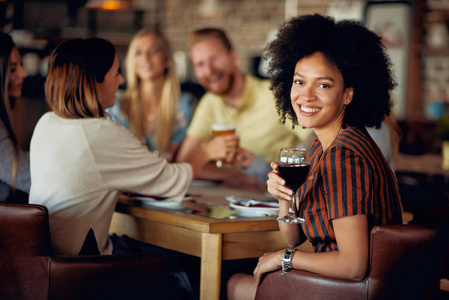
(125, 276)
(407, 261)
(305, 285)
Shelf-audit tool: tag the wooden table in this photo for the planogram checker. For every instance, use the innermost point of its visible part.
(211, 239)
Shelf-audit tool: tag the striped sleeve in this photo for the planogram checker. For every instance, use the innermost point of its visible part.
(348, 184)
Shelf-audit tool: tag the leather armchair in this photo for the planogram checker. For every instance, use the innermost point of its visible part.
(29, 269)
(406, 262)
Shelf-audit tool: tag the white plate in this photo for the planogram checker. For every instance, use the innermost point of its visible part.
(166, 203)
(251, 202)
(254, 211)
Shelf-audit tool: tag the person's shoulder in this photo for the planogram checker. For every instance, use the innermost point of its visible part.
(355, 140)
(49, 117)
(51, 122)
(209, 96)
(210, 102)
(102, 123)
(106, 131)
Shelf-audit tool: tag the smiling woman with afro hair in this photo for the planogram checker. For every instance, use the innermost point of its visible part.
(336, 78)
(356, 52)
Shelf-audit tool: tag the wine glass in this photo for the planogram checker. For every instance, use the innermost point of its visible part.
(293, 166)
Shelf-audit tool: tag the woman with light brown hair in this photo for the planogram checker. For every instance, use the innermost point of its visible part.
(153, 106)
(80, 159)
(14, 162)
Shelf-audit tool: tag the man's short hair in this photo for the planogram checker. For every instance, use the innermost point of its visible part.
(208, 33)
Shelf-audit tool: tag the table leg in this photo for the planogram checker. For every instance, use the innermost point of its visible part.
(211, 258)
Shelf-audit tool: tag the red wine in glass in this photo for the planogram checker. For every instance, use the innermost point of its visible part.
(293, 168)
(294, 175)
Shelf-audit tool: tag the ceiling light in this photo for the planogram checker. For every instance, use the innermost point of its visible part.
(108, 4)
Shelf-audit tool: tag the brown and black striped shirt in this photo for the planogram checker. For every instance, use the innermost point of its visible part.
(350, 178)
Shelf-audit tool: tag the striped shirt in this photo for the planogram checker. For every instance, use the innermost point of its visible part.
(350, 178)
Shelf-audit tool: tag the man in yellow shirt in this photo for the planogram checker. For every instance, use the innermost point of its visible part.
(235, 98)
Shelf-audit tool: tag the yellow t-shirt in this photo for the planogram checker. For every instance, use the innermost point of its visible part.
(256, 119)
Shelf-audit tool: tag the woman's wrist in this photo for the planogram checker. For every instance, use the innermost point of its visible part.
(206, 151)
(200, 158)
(286, 261)
(279, 260)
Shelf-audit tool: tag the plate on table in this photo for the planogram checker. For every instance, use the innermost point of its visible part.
(253, 208)
(155, 201)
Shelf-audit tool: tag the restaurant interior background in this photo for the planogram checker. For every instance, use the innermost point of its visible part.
(414, 32)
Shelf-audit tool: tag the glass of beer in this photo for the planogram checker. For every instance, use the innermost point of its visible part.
(224, 129)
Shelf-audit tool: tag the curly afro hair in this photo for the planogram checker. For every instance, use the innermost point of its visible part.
(357, 53)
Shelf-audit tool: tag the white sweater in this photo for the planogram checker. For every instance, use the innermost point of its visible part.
(78, 166)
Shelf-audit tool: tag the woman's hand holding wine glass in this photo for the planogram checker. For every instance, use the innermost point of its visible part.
(293, 167)
(276, 184)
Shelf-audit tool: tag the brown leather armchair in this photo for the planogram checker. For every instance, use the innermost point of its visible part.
(406, 262)
(29, 270)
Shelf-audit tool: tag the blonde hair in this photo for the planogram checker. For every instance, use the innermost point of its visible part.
(74, 69)
(132, 107)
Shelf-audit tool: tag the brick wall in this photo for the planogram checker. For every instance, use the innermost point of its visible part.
(247, 22)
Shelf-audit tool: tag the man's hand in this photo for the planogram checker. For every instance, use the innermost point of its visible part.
(220, 146)
(244, 157)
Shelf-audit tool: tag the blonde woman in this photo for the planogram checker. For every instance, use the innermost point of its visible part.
(14, 162)
(152, 106)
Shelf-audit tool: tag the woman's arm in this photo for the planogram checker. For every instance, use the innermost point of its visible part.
(216, 148)
(188, 148)
(349, 262)
(350, 226)
(348, 192)
(351, 259)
